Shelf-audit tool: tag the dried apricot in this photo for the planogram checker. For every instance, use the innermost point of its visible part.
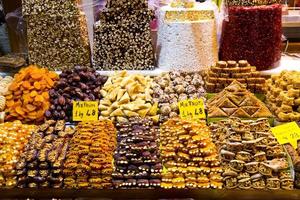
(37, 85)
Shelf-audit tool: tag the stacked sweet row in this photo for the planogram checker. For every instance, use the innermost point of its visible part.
(140, 154)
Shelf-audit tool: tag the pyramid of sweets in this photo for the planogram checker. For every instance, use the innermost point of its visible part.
(89, 161)
(236, 101)
(41, 164)
(251, 156)
(224, 73)
(57, 33)
(172, 87)
(189, 156)
(122, 36)
(137, 160)
(283, 95)
(13, 136)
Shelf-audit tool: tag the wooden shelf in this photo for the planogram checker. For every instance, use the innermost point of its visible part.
(151, 194)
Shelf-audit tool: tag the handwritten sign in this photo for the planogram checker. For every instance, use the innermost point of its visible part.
(85, 110)
(287, 133)
(192, 109)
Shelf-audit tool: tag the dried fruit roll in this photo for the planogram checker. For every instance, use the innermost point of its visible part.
(28, 97)
(89, 161)
(137, 161)
(251, 155)
(189, 156)
(41, 164)
(13, 136)
(80, 84)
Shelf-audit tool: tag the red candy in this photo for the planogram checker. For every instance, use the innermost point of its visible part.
(254, 34)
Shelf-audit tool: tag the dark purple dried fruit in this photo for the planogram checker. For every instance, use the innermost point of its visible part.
(61, 100)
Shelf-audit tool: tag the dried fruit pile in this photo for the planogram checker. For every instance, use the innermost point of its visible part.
(283, 96)
(126, 96)
(57, 33)
(224, 73)
(27, 98)
(4, 85)
(252, 33)
(236, 101)
(122, 37)
(251, 155)
(170, 88)
(89, 161)
(13, 136)
(41, 164)
(189, 156)
(137, 162)
(79, 84)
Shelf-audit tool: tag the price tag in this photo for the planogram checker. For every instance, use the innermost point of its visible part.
(287, 133)
(85, 111)
(192, 109)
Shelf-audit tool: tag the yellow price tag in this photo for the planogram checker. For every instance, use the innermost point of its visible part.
(287, 133)
(192, 109)
(85, 111)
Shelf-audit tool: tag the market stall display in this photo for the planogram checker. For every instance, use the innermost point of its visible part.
(14, 137)
(41, 164)
(172, 87)
(122, 36)
(27, 98)
(236, 101)
(252, 32)
(137, 159)
(57, 34)
(127, 95)
(78, 84)
(187, 37)
(89, 161)
(189, 157)
(223, 73)
(283, 95)
(251, 156)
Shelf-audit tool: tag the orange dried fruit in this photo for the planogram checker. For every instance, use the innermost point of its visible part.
(46, 95)
(39, 98)
(49, 82)
(36, 76)
(30, 107)
(26, 85)
(20, 111)
(52, 75)
(33, 93)
(37, 85)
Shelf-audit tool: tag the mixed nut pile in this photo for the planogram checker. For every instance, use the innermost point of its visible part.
(79, 84)
(170, 88)
(41, 164)
(137, 161)
(250, 155)
(89, 161)
(189, 156)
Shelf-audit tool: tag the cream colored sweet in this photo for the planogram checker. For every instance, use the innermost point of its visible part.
(187, 38)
